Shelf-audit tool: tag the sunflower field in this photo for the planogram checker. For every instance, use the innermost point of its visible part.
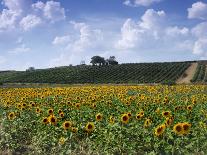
(104, 119)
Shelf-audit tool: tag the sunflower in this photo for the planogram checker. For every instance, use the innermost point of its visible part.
(11, 115)
(61, 114)
(38, 110)
(45, 120)
(60, 111)
(62, 141)
(147, 122)
(129, 114)
(89, 127)
(186, 127)
(50, 111)
(160, 129)
(99, 117)
(138, 116)
(168, 122)
(74, 130)
(178, 129)
(111, 120)
(166, 113)
(125, 118)
(78, 105)
(189, 107)
(53, 120)
(66, 125)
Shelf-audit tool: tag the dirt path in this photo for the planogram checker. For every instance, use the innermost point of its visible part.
(188, 74)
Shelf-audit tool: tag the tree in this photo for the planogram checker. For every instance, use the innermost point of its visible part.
(98, 60)
(30, 69)
(112, 61)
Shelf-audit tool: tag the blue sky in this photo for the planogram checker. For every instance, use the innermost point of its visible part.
(48, 33)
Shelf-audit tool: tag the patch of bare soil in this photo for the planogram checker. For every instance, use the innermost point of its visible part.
(188, 74)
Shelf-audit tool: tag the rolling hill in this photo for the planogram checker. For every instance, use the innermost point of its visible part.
(165, 72)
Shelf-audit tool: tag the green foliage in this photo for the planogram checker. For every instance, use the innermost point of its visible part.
(123, 73)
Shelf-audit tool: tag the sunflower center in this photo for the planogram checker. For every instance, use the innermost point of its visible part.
(178, 128)
(90, 126)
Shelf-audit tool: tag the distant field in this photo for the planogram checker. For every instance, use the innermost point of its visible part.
(167, 72)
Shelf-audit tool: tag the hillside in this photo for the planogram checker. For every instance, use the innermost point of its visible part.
(123, 73)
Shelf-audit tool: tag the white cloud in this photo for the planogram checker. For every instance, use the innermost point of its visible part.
(15, 5)
(61, 40)
(200, 47)
(78, 47)
(176, 31)
(200, 30)
(8, 19)
(19, 50)
(29, 22)
(133, 33)
(50, 10)
(198, 11)
(135, 3)
(2, 59)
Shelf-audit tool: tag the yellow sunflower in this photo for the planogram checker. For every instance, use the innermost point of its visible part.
(99, 117)
(186, 127)
(89, 127)
(125, 118)
(11, 115)
(53, 120)
(74, 130)
(178, 128)
(160, 129)
(66, 125)
(147, 122)
(166, 114)
(50, 111)
(45, 120)
(111, 120)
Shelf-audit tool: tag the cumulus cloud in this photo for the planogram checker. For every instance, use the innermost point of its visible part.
(198, 11)
(61, 40)
(29, 22)
(176, 31)
(200, 45)
(50, 10)
(133, 33)
(78, 47)
(19, 50)
(28, 15)
(135, 3)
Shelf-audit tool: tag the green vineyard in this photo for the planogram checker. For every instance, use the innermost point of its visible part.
(200, 74)
(166, 72)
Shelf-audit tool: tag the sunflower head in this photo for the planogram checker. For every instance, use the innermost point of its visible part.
(189, 107)
(111, 120)
(38, 110)
(124, 118)
(67, 124)
(160, 129)
(61, 114)
(129, 114)
(53, 120)
(178, 129)
(186, 127)
(78, 105)
(139, 116)
(50, 111)
(89, 127)
(168, 122)
(62, 141)
(99, 117)
(45, 120)
(147, 122)
(166, 113)
(11, 115)
(74, 130)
